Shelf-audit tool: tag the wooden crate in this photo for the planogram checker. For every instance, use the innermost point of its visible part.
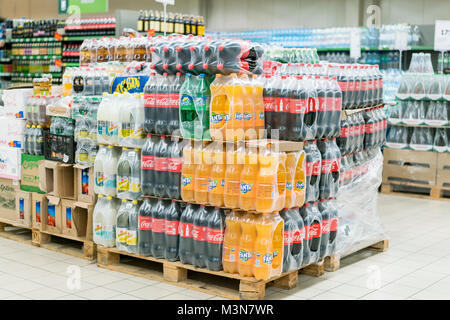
(231, 286)
(75, 246)
(333, 263)
(19, 233)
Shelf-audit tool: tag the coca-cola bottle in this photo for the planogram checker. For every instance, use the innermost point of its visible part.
(299, 237)
(370, 125)
(313, 225)
(174, 107)
(172, 217)
(343, 83)
(322, 114)
(148, 166)
(343, 139)
(280, 117)
(288, 239)
(325, 238)
(328, 181)
(158, 229)
(269, 102)
(161, 167)
(150, 103)
(335, 108)
(298, 110)
(313, 168)
(310, 119)
(214, 235)
(162, 106)
(186, 240)
(334, 219)
(175, 161)
(145, 227)
(199, 236)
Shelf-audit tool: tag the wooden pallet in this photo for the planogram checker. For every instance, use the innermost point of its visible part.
(12, 231)
(76, 247)
(333, 263)
(227, 285)
(416, 190)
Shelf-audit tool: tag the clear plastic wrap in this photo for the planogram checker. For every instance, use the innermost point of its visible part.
(359, 223)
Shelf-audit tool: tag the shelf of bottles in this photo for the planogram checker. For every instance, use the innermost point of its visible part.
(5, 54)
(175, 23)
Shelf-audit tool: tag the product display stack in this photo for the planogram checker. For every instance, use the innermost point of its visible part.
(418, 142)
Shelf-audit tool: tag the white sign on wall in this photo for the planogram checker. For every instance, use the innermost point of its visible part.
(442, 35)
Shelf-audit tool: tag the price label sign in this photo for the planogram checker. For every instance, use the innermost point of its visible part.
(171, 2)
(442, 35)
(401, 41)
(355, 44)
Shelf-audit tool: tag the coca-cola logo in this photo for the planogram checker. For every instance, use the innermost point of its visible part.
(147, 163)
(145, 225)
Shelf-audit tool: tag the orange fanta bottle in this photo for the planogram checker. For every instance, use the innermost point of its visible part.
(231, 243)
(258, 103)
(216, 185)
(220, 113)
(300, 181)
(291, 163)
(277, 243)
(188, 174)
(248, 181)
(280, 193)
(247, 245)
(248, 108)
(234, 165)
(263, 247)
(234, 91)
(266, 182)
(203, 160)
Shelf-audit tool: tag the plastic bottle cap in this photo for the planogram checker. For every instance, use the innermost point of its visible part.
(307, 204)
(124, 200)
(315, 202)
(149, 135)
(125, 148)
(109, 198)
(134, 202)
(110, 147)
(100, 196)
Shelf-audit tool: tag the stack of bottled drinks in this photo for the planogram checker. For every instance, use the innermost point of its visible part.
(37, 124)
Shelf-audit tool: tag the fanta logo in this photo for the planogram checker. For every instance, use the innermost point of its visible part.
(222, 183)
(247, 116)
(267, 258)
(288, 186)
(227, 117)
(244, 255)
(300, 185)
(216, 118)
(238, 116)
(212, 184)
(186, 180)
(261, 115)
(246, 187)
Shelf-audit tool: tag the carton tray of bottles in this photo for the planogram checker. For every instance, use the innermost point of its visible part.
(59, 148)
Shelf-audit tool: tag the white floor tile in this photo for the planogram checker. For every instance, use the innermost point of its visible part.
(151, 293)
(44, 294)
(124, 286)
(97, 293)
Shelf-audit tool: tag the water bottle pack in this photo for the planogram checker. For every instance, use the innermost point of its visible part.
(59, 143)
(424, 86)
(35, 109)
(292, 55)
(34, 139)
(87, 81)
(419, 138)
(410, 112)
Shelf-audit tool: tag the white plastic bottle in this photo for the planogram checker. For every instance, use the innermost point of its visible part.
(110, 172)
(113, 119)
(125, 105)
(99, 171)
(122, 225)
(98, 220)
(124, 174)
(138, 118)
(102, 127)
(109, 223)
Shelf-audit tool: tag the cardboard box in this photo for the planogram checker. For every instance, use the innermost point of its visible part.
(10, 163)
(12, 132)
(8, 189)
(23, 208)
(84, 179)
(52, 219)
(38, 209)
(57, 179)
(443, 170)
(77, 218)
(15, 101)
(29, 173)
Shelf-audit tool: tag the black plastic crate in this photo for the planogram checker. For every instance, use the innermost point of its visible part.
(59, 148)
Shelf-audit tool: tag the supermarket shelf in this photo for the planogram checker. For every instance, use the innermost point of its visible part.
(81, 38)
(71, 64)
(5, 74)
(38, 57)
(34, 40)
(404, 124)
(5, 60)
(417, 48)
(36, 74)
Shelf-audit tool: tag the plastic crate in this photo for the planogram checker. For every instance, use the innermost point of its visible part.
(59, 148)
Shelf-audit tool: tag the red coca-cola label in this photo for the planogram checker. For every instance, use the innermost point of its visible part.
(145, 223)
(326, 226)
(185, 229)
(163, 100)
(174, 164)
(356, 172)
(343, 85)
(351, 86)
(298, 106)
(288, 237)
(149, 100)
(333, 224)
(314, 231)
(362, 129)
(351, 131)
(299, 235)
(215, 235)
(161, 163)
(199, 233)
(174, 99)
(369, 128)
(336, 165)
(333, 104)
(158, 225)
(356, 130)
(363, 86)
(171, 228)
(312, 104)
(326, 165)
(358, 85)
(313, 168)
(322, 104)
(269, 103)
(380, 83)
(148, 162)
(345, 132)
(281, 104)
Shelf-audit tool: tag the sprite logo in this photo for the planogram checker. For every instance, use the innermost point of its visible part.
(299, 185)
(288, 186)
(267, 258)
(186, 180)
(244, 255)
(217, 118)
(212, 184)
(185, 101)
(246, 187)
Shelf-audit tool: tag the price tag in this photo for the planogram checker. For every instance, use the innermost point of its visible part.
(171, 2)
(58, 36)
(442, 35)
(355, 44)
(58, 63)
(401, 41)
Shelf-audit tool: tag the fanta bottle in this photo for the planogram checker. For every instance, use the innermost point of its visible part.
(300, 181)
(277, 243)
(281, 183)
(248, 102)
(291, 163)
(247, 245)
(258, 104)
(234, 165)
(234, 91)
(203, 160)
(216, 185)
(231, 242)
(220, 109)
(188, 174)
(263, 247)
(248, 181)
(266, 181)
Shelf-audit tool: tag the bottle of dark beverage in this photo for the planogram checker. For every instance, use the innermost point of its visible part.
(313, 168)
(322, 114)
(325, 238)
(310, 119)
(290, 226)
(313, 231)
(175, 161)
(174, 106)
(158, 229)
(161, 168)
(214, 236)
(150, 111)
(186, 240)
(145, 227)
(172, 217)
(334, 220)
(199, 236)
(162, 105)
(282, 108)
(370, 125)
(297, 111)
(299, 237)
(269, 102)
(326, 179)
(148, 166)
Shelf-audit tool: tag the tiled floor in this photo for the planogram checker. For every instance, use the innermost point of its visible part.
(416, 266)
